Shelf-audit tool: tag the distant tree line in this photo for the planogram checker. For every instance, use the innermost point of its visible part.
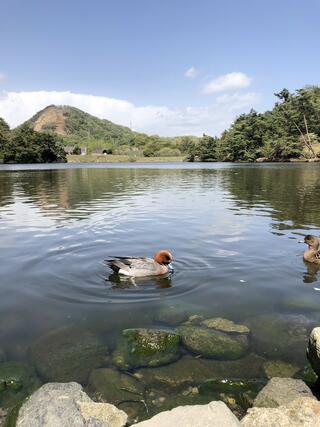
(24, 145)
(290, 130)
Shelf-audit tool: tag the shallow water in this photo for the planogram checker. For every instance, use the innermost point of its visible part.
(233, 231)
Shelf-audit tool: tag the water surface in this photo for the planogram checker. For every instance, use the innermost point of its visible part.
(233, 231)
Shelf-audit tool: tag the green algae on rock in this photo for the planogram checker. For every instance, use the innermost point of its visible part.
(225, 325)
(213, 344)
(145, 347)
(68, 354)
(17, 380)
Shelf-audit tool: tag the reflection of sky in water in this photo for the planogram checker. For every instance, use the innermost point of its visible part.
(233, 231)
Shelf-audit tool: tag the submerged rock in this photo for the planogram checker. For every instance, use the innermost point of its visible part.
(301, 412)
(280, 391)
(300, 304)
(225, 325)
(215, 414)
(17, 380)
(213, 344)
(190, 371)
(145, 347)
(278, 368)
(279, 336)
(124, 391)
(307, 375)
(68, 354)
(65, 404)
(313, 350)
(171, 314)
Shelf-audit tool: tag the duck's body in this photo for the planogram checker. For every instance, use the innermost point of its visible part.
(312, 254)
(142, 267)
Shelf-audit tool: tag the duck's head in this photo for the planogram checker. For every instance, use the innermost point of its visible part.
(163, 257)
(312, 241)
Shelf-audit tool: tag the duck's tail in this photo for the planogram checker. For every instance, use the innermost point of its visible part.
(118, 266)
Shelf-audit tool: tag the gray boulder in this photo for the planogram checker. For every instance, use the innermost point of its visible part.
(145, 347)
(313, 350)
(68, 354)
(215, 414)
(280, 391)
(213, 344)
(301, 412)
(65, 404)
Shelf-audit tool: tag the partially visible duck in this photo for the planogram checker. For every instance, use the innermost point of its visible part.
(142, 267)
(312, 254)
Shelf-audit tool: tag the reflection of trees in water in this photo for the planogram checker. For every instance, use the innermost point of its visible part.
(6, 188)
(293, 192)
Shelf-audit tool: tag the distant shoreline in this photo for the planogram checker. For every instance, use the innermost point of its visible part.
(114, 158)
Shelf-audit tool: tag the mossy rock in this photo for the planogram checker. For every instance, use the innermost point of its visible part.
(225, 325)
(213, 344)
(124, 391)
(17, 380)
(68, 354)
(145, 347)
(280, 336)
(280, 369)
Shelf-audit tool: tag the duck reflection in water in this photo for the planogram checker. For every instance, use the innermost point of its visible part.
(310, 275)
(124, 282)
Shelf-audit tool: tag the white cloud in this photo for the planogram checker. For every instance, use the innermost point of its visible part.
(227, 82)
(191, 73)
(16, 107)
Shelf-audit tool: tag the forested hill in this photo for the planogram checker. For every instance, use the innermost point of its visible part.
(77, 127)
(290, 130)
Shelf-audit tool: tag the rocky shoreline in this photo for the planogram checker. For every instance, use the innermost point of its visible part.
(190, 370)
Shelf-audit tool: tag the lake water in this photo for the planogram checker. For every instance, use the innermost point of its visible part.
(233, 231)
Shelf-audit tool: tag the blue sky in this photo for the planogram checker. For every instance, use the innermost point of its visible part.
(128, 60)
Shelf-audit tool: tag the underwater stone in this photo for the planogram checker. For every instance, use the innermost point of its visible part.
(213, 344)
(17, 380)
(280, 391)
(279, 336)
(190, 371)
(145, 347)
(113, 386)
(68, 354)
(225, 325)
(278, 368)
(172, 314)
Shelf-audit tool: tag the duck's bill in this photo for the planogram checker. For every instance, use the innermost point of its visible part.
(170, 268)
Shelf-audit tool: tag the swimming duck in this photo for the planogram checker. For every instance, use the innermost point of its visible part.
(312, 254)
(142, 267)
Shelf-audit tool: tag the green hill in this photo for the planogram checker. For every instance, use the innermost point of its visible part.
(79, 128)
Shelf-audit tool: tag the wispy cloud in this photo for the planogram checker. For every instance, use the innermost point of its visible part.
(191, 73)
(16, 107)
(227, 82)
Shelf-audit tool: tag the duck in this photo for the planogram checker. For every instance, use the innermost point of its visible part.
(312, 254)
(133, 267)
